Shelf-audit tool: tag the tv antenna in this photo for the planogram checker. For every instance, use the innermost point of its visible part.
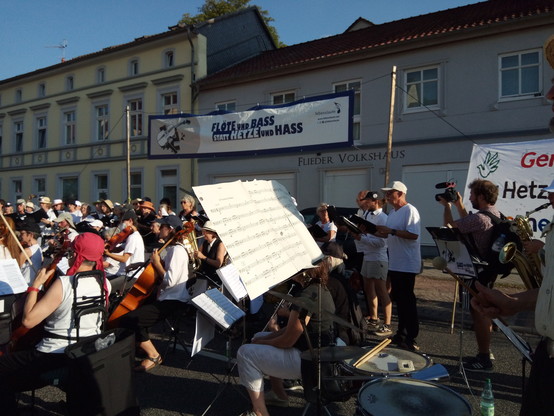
(62, 46)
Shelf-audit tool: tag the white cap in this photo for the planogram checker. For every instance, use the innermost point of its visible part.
(78, 203)
(57, 201)
(396, 186)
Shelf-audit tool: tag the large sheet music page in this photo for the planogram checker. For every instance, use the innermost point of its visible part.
(262, 230)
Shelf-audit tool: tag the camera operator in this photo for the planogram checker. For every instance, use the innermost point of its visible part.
(479, 227)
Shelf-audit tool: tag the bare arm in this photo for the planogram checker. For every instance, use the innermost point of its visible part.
(34, 310)
(493, 303)
(287, 337)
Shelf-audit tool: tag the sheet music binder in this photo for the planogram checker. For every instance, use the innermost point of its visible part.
(357, 220)
(316, 231)
(218, 308)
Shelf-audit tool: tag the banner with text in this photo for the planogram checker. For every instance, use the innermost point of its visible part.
(520, 170)
(313, 123)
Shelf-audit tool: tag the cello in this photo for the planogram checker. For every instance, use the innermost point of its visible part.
(23, 337)
(144, 285)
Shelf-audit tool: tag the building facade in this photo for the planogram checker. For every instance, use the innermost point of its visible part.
(65, 130)
(474, 74)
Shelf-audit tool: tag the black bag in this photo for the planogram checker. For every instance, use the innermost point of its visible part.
(501, 226)
(100, 381)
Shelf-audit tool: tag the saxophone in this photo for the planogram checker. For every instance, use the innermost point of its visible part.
(528, 265)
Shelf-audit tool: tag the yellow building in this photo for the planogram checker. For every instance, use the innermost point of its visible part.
(63, 129)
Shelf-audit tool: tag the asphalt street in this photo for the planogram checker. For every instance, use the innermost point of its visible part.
(207, 384)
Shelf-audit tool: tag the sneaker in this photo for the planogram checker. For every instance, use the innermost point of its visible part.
(248, 413)
(372, 324)
(491, 356)
(479, 363)
(293, 385)
(271, 399)
(383, 331)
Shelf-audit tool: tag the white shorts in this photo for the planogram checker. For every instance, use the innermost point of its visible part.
(375, 270)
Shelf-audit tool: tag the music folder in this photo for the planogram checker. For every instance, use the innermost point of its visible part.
(356, 220)
(218, 308)
(316, 231)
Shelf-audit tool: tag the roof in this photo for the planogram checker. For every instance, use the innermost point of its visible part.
(458, 20)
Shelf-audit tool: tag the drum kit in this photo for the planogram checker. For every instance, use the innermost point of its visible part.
(387, 380)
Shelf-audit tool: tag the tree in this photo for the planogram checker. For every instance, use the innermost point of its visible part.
(216, 8)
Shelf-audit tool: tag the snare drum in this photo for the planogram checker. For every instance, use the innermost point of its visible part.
(409, 397)
(390, 362)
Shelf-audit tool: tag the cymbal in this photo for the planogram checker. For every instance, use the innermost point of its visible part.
(312, 306)
(334, 353)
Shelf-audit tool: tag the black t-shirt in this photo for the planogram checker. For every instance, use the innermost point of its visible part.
(327, 327)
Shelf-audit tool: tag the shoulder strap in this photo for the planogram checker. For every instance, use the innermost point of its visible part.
(493, 217)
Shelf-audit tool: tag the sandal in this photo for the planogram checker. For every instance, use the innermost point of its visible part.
(149, 363)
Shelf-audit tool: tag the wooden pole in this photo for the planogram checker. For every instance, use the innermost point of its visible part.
(391, 125)
(127, 114)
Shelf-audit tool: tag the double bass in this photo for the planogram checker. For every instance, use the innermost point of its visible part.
(144, 286)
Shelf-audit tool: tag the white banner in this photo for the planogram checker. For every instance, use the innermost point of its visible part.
(520, 170)
(314, 123)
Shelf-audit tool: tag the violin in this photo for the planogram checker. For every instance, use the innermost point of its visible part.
(144, 285)
(118, 238)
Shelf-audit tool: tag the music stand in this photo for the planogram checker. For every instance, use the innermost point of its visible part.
(218, 309)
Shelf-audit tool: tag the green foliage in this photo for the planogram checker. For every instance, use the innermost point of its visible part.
(215, 8)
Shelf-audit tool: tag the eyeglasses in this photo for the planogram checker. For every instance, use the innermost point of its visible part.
(390, 192)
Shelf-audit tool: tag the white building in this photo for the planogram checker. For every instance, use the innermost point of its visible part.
(473, 74)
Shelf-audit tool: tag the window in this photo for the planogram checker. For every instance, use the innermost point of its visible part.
(102, 122)
(133, 67)
(18, 136)
(41, 132)
(169, 59)
(70, 187)
(135, 115)
(282, 98)
(69, 127)
(136, 185)
(170, 104)
(228, 106)
(69, 83)
(520, 74)
(17, 187)
(42, 89)
(422, 86)
(39, 186)
(101, 186)
(18, 95)
(101, 75)
(356, 87)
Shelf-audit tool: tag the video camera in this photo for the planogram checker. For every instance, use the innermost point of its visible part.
(450, 194)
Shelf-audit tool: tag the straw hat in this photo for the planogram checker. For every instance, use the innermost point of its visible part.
(549, 50)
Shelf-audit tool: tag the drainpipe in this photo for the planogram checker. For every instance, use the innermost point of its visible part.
(194, 161)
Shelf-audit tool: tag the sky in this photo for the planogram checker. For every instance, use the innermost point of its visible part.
(32, 30)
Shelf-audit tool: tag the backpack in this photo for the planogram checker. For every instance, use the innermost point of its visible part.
(501, 226)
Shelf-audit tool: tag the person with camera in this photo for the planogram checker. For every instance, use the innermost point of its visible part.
(478, 227)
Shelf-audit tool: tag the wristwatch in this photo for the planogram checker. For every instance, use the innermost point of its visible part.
(393, 232)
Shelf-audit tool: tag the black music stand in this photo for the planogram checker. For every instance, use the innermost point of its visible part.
(220, 310)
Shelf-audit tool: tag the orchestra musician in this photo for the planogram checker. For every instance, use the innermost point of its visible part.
(212, 254)
(188, 208)
(172, 294)
(31, 263)
(9, 249)
(278, 354)
(133, 251)
(23, 370)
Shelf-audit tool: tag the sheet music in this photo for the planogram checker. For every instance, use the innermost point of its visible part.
(453, 251)
(11, 279)
(216, 306)
(229, 275)
(262, 230)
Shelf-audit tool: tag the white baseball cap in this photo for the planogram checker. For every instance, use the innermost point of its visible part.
(396, 186)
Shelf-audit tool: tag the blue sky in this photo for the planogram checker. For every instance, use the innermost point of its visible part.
(31, 28)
